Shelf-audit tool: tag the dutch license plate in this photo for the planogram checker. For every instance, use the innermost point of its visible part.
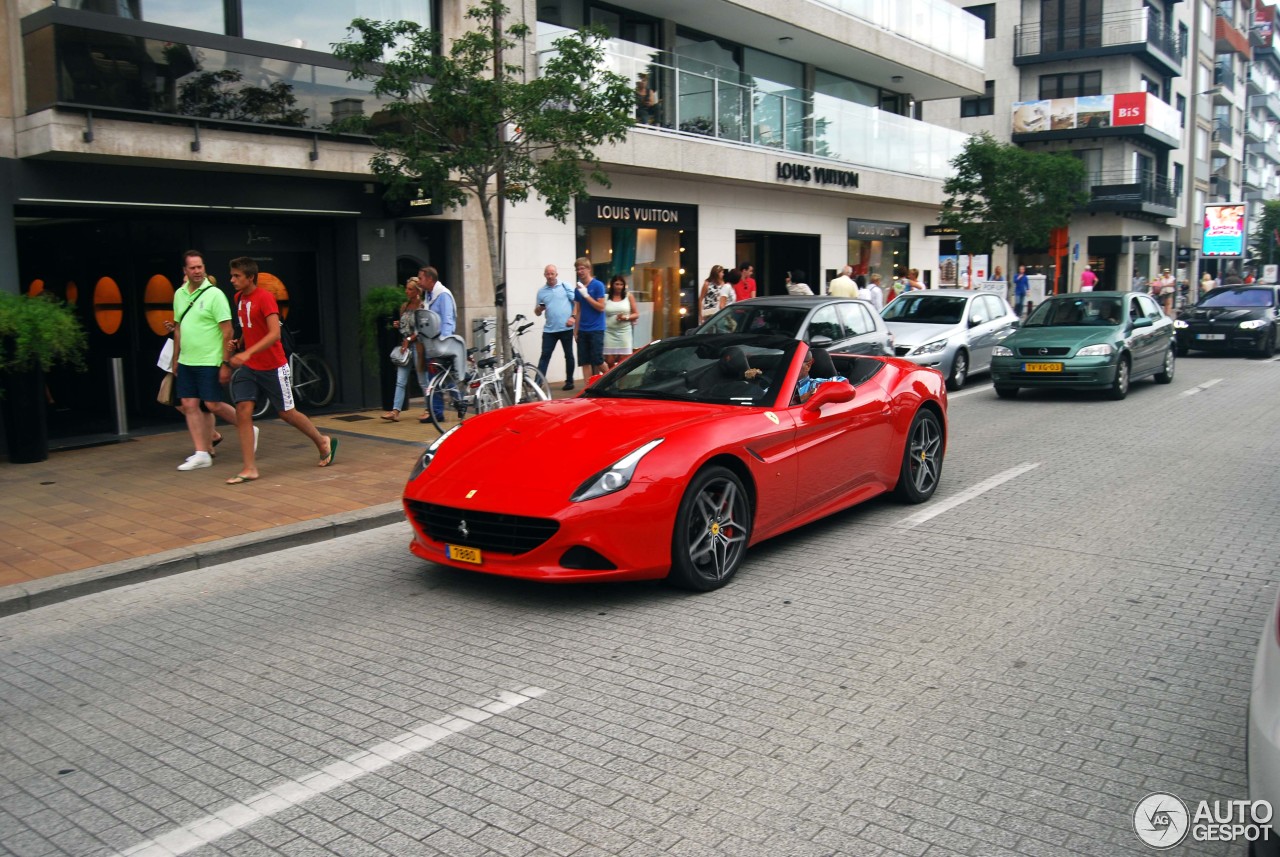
(1211, 336)
(1041, 367)
(462, 554)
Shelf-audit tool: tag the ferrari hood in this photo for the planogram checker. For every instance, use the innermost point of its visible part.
(543, 452)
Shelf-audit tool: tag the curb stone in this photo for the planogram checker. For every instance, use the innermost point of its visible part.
(21, 597)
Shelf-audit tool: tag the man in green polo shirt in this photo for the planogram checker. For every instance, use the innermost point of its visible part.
(201, 344)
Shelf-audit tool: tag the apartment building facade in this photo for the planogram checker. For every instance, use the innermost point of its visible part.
(786, 134)
(1105, 80)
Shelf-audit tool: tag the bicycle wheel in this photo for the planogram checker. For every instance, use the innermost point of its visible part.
(313, 382)
(445, 383)
(533, 385)
(490, 396)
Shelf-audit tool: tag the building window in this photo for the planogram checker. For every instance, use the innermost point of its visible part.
(987, 12)
(1178, 177)
(979, 105)
(1070, 85)
(1149, 85)
(1182, 111)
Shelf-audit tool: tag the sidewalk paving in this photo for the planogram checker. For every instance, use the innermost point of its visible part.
(89, 519)
(104, 516)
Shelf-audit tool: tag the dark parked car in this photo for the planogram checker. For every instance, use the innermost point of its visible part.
(839, 325)
(1232, 318)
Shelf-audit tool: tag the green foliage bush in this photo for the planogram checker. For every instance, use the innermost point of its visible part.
(40, 331)
(380, 304)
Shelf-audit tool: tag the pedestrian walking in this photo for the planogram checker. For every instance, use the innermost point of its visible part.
(746, 287)
(1088, 279)
(711, 296)
(588, 319)
(875, 292)
(843, 286)
(262, 367)
(795, 283)
(406, 323)
(555, 299)
(1021, 285)
(621, 313)
(201, 341)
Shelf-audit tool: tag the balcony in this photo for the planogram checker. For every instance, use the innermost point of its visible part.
(1125, 114)
(1269, 102)
(156, 73)
(1227, 38)
(698, 101)
(1132, 192)
(1254, 129)
(1223, 135)
(1253, 179)
(1134, 33)
(1269, 149)
(1224, 77)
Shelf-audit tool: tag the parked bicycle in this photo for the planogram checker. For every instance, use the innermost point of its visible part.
(312, 379)
(485, 385)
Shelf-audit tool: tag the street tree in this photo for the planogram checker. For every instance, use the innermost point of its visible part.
(463, 123)
(1265, 239)
(1004, 194)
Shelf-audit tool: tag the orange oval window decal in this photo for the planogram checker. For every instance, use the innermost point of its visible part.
(108, 306)
(272, 283)
(36, 287)
(158, 303)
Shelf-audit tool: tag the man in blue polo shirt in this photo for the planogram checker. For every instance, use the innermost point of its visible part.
(588, 317)
(556, 300)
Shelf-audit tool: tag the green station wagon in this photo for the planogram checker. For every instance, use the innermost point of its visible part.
(1087, 340)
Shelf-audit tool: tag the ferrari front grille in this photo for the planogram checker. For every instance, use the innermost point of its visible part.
(490, 531)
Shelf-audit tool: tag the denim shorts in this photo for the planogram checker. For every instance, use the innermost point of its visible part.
(198, 382)
(591, 347)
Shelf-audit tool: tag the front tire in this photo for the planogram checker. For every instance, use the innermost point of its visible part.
(922, 459)
(712, 529)
(1165, 375)
(1120, 386)
(1268, 345)
(959, 371)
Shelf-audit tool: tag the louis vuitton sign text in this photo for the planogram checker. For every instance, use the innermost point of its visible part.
(816, 175)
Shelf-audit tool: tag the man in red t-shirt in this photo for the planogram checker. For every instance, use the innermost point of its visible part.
(259, 364)
(746, 287)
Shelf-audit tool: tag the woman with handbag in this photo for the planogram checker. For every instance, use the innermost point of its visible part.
(408, 355)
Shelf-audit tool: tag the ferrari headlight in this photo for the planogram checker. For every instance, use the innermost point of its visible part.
(430, 453)
(1001, 351)
(1180, 324)
(1253, 324)
(931, 347)
(1101, 350)
(615, 477)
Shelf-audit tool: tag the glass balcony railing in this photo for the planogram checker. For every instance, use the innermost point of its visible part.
(935, 24)
(1105, 33)
(86, 67)
(694, 98)
(1129, 190)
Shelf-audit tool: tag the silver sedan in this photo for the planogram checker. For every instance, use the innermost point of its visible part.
(951, 330)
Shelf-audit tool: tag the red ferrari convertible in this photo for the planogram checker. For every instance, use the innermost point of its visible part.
(676, 461)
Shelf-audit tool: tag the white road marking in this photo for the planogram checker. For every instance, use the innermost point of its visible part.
(966, 495)
(1206, 385)
(280, 797)
(985, 388)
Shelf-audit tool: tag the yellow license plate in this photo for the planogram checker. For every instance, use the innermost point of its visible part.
(461, 554)
(1042, 367)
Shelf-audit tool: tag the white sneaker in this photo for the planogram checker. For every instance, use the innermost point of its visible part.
(255, 438)
(196, 460)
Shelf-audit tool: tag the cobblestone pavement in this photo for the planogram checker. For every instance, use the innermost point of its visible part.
(1008, 677)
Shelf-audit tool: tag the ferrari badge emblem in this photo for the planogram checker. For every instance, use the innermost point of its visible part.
(471, 493)
(773, 418)
(462, 528)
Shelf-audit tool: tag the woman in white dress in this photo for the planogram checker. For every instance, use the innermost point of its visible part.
(620, 313)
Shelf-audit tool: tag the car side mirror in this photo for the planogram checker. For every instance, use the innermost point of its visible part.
(830, 393)
(1142, 322)
(820, 341)
(1017, 323)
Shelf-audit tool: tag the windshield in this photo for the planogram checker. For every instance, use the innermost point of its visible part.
(749, 318)
(1075, 312)
(1238, 297)
(731, 370)
(926, 309)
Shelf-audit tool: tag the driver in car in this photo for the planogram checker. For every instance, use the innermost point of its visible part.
(817, 360)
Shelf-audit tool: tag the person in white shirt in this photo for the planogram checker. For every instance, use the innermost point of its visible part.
(843, 286)
(875, 292)
(796, 284)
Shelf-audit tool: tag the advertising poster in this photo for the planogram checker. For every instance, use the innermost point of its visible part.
(1224, 230)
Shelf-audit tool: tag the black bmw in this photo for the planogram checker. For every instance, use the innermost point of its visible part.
(1232, 318)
